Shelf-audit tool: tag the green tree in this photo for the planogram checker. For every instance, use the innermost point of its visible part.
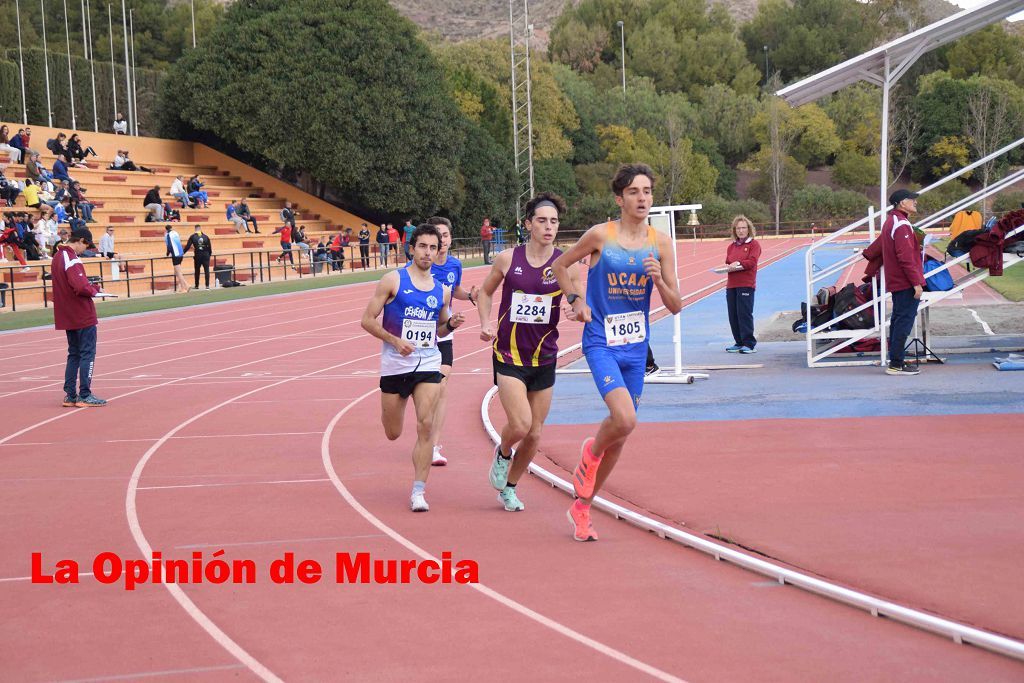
(726, 117)
(949, 153)
(856, 113)
(811, 131)
(383, 133)
(856, 171)
(807, 36)
(991, 52)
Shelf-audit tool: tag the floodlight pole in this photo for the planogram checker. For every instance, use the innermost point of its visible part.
(622, 38)
(21, 64)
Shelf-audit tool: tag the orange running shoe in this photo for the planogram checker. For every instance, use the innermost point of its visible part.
(579, 518)
(586, 472)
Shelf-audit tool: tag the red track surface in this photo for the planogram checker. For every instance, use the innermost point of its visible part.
(216, 440)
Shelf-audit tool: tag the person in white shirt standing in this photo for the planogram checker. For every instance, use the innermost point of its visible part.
(107, 243)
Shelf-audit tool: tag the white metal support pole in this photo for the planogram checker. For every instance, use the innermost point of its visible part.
(85, 32)
(71, 78)
(884, 150)
(622, 38)
(21, 64)
(127, 69)
(193, 3)
(135, 80)
(529, 95)
(46, 68)
(92, 68)
(113, 74)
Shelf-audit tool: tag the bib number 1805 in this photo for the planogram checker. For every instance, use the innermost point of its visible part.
(625, 328)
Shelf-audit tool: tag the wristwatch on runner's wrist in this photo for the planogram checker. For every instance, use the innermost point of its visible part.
(571, 298)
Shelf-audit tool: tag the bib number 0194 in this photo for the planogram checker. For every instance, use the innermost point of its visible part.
(625, 328)
(419, 333)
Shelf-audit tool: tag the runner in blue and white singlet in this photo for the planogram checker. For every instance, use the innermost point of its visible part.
(627, 258)
(415, 313)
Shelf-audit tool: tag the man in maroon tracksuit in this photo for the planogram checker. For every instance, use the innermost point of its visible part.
(904, 277)
(75, 313)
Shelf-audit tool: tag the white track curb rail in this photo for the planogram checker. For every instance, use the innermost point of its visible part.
(960, 633)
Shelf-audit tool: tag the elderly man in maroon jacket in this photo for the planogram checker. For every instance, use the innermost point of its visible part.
(75, 313)
(904, 277)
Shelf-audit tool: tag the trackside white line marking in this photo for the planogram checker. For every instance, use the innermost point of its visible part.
(153, 674)
(233, 483)
(984, 325)
(558, 627)
(131, 512)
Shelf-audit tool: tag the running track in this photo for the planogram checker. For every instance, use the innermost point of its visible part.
(253, 427)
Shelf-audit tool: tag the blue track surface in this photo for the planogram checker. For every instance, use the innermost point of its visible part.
(785, 387)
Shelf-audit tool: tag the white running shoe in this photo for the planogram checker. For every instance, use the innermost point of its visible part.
(438, 459)
(417, 503)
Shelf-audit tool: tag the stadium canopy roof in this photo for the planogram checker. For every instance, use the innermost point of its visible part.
(900, 53)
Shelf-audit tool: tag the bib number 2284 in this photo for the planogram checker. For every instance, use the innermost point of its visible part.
(419, 333)
(625, 328)
(531, 309)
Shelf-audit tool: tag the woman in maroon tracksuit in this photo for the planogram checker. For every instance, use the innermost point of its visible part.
(741, 258)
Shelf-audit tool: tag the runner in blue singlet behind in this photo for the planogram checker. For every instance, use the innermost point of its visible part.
(627, 258)
(416, 313)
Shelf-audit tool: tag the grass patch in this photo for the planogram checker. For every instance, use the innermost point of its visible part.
(160, 302)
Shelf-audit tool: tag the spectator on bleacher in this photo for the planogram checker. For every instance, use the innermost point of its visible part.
(196, 192)
(62, 211)
(232, 215)
(106, 249)
(21, 141)
(79, 202)
(904, 277)
(75, 150)
(244, 213)
(286, 243)
(174, 249)
(364, 246)
(383, 244)
(155, 205)
(9, 239)
(41, 232)
(179, 193)
(5, 145)
(335, 255)
(120, 126)
(60, 171)
(203, 249)
(393, 241)
(58, 146)
(9, 190)
(487, 239)
(123, 163)
(299, 238)
(31, 194)
(741, 257)
(62, 240)
(288, 215)
(35, 169)
(407, 231)
(320, 255)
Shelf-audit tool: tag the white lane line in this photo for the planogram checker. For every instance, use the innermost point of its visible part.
(279, 541)
(153, 674)
(231, 483)
(984, 325)
(132, 515)
(501, 599)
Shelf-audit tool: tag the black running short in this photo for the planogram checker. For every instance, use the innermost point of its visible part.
(535, 378)
(447, 353)
(404, 384)
(176, 260)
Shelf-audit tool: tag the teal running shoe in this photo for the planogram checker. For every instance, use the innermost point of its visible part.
(510, 500)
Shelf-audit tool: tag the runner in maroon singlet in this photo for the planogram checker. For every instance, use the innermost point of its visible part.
(525, 341)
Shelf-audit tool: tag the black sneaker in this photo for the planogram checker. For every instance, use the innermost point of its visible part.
(90, 401)
(70, 401)
(651, 369)
(903, 369)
